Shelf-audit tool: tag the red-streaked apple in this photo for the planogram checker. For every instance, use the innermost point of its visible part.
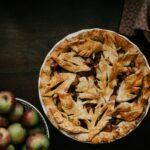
(5, 138)
(30, 118)
(37, 141)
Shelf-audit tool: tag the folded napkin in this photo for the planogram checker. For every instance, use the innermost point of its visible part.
(134, 17)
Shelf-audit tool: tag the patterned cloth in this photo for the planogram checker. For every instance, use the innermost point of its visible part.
(134, 17)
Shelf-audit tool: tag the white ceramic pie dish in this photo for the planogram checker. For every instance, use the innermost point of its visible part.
(73, 35)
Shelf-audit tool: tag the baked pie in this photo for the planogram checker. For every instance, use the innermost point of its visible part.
(95, 86)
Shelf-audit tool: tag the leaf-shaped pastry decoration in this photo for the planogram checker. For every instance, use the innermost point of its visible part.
(126, 59)
(121, 129)
(57, 78)
(64, 123)
(135, 111)
(139, 61)
(67, 78)
(130, 86)
(131, 111)
(87, 89)
(146, 89)
(105, 137)
(103, 71)
(109, 48)
(86, 47)
(124, 127)
(80, 111)
(66, 101)
(71, 62)
(99, 110)
(76, 109)
(122, 107)
(120, 66)
(103, 120)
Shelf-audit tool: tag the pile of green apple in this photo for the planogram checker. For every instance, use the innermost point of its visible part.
(19, 127)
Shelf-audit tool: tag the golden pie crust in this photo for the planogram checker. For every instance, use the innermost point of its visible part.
(95, 86)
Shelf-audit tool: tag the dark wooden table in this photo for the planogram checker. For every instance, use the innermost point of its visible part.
(28, 30)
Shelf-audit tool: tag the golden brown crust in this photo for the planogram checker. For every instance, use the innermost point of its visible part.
(95, 86)
(86, 47)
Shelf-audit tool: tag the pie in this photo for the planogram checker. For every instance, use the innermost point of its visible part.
(95, 86)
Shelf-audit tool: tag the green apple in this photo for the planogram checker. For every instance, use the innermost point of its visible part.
(7, 101)
(10, 147)
(17, 132)
(37, 141)
(17, 112)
